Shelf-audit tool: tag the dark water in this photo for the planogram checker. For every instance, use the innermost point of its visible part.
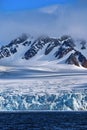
(43, 121)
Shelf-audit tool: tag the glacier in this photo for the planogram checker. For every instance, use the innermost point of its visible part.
(68, 101)
(43, 91)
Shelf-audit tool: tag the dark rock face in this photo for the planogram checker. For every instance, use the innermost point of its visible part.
(82, 59)
(50, 47)
(77, 58)
(62, 52)
(39, 44)
(64, 45)
(11, 48)
(83, 43)
(4, 52)
(35, 47)
(72, 60)
(65, 48)
(84, 64)
(19, 40)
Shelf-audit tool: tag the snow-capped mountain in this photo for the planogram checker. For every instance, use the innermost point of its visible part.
(65, 50)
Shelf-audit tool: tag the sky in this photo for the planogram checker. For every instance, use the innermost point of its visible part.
(38, 17)
(15, 5)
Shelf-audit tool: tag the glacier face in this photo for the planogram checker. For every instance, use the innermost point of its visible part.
(67, 93)
(64, 100)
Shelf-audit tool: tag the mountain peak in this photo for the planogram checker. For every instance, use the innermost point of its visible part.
(27, 48)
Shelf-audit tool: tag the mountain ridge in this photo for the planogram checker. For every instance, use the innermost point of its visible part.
(65, 50)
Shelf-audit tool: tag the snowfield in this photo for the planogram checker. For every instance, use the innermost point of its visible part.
(51, 87)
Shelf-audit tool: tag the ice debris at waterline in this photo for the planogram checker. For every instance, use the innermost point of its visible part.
(68, 101)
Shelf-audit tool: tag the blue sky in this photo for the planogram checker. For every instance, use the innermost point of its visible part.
(13, 5)
(37, 17)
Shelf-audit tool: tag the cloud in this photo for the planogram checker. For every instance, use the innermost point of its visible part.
(49, 9)
(54, 21)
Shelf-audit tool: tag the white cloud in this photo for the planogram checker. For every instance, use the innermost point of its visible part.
(49, 9)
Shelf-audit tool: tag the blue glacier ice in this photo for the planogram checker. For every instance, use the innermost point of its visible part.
(63, 100)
